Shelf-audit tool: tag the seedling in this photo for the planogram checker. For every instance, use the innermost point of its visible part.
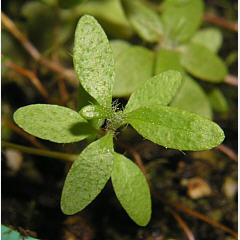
(146, 111)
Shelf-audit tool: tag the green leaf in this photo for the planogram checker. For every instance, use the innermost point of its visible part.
(175, 128)
(88, 175)
(202, 63)
(167, 60)
(53, 123)
(131, 189)
(70, 3)
(211, 38)
(133, 67)
(118, 47)
(93, 60)
(158, 90)
(218, 101)
(144, 20)
(96, 112)
(192, 98)
(181, 18)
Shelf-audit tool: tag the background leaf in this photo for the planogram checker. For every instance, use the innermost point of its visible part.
(175, 128)
(218, 101)
(88, 175)
(93, 60)
(133, 67)
(53, 123)
(181, 18)
(211, 38)
(202, 63)
(158, 90)
(118, 47)
(192, 98)
(70, 3)
(144, 20)
(131, 189)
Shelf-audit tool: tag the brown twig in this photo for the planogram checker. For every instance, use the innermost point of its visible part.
(63, 90)
(232, 80)
(229, 152)
(182, 224)
(27, 136)
(222, 22)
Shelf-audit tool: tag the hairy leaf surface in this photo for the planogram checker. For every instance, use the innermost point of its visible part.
(53, 123)
(175, 128)
(88, 175)
(131, 189)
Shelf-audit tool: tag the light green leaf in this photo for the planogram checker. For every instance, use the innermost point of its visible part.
(144, 20)
(192, 98)
(96, 112)
(93, 60)
(131, 189)
(53, 123)
(211, 38)
(175, 128)
(158, 90)
(181, 18)
(202, 63)
(118, 47)
(88, 175)
(218, 101)
(167, 60)
(133, 67)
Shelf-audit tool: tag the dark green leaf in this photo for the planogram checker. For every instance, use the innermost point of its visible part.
(131, 189)
(175, 128)
(70, 3)
(158, 90)
(93, 60)
(53, 123)
(88, 175)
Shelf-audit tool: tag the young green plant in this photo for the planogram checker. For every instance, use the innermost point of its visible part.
(146, 111)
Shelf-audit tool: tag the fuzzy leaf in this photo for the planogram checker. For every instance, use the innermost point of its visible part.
(175, 128)
(158, 90)
(118, 47)
(93, 60)
(96, 112)
(53, 123)
(218, 101)
(192, 98)
(88, 175)
(131, 189)
(181, 18)
(202, 63)
(133, 67)
(211, 38)
(144, 20)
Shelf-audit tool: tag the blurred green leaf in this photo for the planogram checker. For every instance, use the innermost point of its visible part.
(181, 18)
(93, 60)
(211, 38)
(202, 63)
(88, 175)
(175, 128)
(118, 47)
(69, 3)
(50, 2)
(158, 90)
(192, 98)
(133, 67)
(218, 101)
(131, 189)
(144, 20)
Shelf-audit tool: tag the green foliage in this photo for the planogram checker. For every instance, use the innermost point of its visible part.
(218, 101)
(69, 3)
(146, 112)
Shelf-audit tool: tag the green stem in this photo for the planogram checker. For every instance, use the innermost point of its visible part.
(40, 152)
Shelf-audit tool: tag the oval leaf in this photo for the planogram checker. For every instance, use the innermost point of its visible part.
(175, 128)
(96, 112)
(211, 38)
(144, 20)
(192, 98)
(88, 175)
(218, 101)
(202, 63)
(53, 123)
(118, 47)
(133, 67)
(93, 60)
(158, 90)
(131, 189)
(181, 18)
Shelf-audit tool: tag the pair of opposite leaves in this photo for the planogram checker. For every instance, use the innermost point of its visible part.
(146, 111)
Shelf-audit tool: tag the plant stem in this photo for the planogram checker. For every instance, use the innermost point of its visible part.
(232, 80)
(40, 152)
(229, 152)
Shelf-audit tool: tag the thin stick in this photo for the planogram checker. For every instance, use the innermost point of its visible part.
(182, 224)
(232, 80)
(40, 152)
(229, 152)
